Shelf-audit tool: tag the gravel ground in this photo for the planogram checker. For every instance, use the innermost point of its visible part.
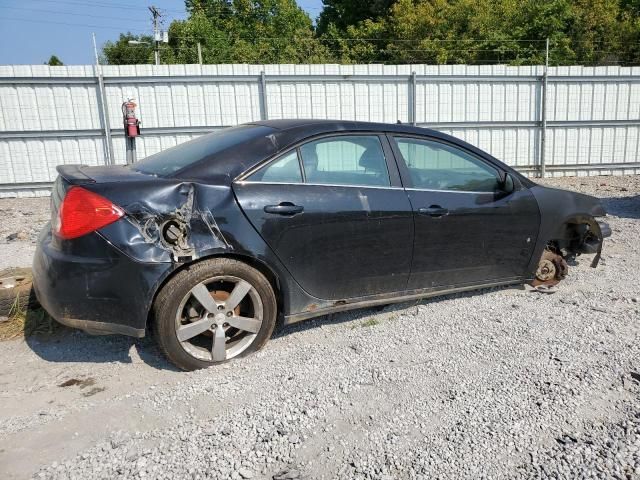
(502, 383)
(22, 220)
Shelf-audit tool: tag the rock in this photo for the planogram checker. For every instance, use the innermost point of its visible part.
(131, 455)
(20, 235)
(287, 474)
(245, 473)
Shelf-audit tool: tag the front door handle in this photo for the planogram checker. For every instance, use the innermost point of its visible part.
(434, 211)
(284, 208)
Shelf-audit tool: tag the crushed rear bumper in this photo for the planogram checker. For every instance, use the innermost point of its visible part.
(88, 284)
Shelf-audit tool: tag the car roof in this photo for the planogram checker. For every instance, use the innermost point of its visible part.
(321, 125)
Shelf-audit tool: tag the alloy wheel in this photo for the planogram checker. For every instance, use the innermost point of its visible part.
(219, 318)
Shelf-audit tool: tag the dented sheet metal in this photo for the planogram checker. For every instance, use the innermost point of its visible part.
(183, 232)
(171, 224)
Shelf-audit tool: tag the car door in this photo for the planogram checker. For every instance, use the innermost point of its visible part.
(468, 230)
(334, 212)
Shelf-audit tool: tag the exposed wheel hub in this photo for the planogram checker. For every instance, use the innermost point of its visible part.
(551, 269)
(546, 270)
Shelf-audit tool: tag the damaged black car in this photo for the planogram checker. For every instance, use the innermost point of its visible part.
(209, 243)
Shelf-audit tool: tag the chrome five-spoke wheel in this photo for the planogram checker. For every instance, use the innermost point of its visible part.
(214, 311)
(219, 318)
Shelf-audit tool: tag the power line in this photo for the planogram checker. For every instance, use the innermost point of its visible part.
(378, 39)
(119, 6)
(57, 12)
(33, 20)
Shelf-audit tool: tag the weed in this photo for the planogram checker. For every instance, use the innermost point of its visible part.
(372, 322)
(24, 321)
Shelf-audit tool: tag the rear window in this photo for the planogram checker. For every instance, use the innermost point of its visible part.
(176, 158)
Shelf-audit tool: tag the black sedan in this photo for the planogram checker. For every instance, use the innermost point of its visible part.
(208, 243)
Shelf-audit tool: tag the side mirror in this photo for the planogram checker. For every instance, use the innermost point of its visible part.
(507, 184)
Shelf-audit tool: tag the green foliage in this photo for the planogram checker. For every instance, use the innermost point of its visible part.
(54, 62)
(593, 32)
(121, 52)
(234, 31)
(596, 32)
(246, 31)
(344, 13)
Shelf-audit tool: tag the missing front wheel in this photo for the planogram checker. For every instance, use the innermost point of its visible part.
(552, 268)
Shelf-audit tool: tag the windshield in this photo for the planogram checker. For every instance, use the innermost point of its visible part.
(176, 158)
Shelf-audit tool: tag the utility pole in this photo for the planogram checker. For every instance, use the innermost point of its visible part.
(543, 133)
(102, 106)
(199, 53)
(95, 49)
(156, 33)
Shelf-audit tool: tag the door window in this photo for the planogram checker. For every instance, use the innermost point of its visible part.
(438, 166)
(286, 169)
(345, 160)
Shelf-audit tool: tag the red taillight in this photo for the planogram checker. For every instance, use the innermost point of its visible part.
(82, 212)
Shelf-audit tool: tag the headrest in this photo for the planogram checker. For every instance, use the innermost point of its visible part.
(370, 159)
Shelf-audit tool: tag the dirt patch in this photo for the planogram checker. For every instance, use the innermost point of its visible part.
(80, 382)
(93, 391)
(83, 383)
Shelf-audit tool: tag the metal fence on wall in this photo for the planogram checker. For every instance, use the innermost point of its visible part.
(570, 121)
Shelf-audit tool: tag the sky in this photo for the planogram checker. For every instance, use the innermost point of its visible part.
(33, 30)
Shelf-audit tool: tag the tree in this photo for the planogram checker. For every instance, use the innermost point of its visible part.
(345, 13)
(630, 31)
(234, 31)
(595, 32)
(246, 31)
(54, 61)
(121, 52)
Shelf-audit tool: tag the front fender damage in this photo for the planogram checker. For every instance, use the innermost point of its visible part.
(173, 225)
(571, 224)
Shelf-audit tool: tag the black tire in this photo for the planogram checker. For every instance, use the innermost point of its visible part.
(174, 291)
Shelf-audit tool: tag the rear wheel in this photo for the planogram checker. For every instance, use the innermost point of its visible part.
(212, 312)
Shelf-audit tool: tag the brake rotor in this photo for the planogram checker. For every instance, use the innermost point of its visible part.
(221, 296)
(551, 269)
(218, 296)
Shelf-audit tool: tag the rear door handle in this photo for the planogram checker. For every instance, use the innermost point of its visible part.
(284, 208)
(433, 211)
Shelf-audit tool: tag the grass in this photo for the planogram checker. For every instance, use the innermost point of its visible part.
(24, 322)
(377, 320)
(372, 322)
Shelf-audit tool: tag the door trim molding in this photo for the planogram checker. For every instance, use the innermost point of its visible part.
(254, 182)
(397, 297)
